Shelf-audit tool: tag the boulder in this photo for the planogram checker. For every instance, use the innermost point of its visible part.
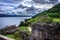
(23, 35)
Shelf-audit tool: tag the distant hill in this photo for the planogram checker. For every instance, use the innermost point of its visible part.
(4, 15)
(53, 13)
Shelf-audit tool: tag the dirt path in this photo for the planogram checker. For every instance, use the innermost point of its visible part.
(7, 38)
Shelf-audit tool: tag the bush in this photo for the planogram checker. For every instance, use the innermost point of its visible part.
(21, 24)
(1, 32)
(17, 34)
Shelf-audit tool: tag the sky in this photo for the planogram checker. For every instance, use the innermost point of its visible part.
(26, 6)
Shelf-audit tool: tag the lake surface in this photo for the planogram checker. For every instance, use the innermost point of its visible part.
(7, 21)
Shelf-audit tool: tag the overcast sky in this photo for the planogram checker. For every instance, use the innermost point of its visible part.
(25, 4)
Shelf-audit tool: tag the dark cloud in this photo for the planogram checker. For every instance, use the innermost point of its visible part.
(21, 6)
(36, 1)
(32, 8)
(43, 1)
(39, 1)
(18, 0)
(11, 1)
(53, 1)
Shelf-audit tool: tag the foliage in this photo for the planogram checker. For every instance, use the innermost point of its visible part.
(22, 23)
(1, 32)
(56, 20)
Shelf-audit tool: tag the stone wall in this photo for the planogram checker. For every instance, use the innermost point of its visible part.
(44, 31)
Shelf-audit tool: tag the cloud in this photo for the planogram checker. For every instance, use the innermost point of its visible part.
(45, 1)
(11, 1)
(26, 6)
(6, 7)
(59, 1)
(30, 8)
(22, 6)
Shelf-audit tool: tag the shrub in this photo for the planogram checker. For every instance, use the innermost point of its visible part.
(22, 23)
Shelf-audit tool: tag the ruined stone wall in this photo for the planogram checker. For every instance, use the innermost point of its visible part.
(44, 31)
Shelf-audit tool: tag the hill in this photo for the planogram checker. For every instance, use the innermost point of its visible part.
(53, 15)
(5, 15)
(54, 11)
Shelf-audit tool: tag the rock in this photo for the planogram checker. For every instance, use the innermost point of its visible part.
(9, 29)
(45, 31)
(23, 35)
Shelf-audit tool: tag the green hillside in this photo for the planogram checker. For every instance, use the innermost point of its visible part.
(53, 15)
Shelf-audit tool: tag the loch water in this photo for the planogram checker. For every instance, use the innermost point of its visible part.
(7, 21)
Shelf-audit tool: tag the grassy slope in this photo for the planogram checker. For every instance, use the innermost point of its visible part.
(54, 13)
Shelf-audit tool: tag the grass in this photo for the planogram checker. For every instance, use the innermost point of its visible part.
(38, 19)
(56, 20)
(33, 20)
(11, 36)
(22, 28)
(25, 28)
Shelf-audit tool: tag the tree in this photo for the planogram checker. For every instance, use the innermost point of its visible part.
(22, 23)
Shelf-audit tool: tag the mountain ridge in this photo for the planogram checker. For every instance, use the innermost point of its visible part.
(4, 15)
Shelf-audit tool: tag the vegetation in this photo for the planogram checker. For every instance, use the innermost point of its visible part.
(16, 34)
(22, 23)
(52, 14)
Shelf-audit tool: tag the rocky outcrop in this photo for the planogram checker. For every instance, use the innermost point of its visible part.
(23, 35)
(45, 31)
(9, 29)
